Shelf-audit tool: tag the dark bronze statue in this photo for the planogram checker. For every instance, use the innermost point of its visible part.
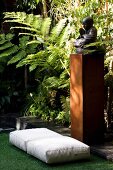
(88, 34)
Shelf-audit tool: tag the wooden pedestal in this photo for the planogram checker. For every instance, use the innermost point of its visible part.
(87, 98)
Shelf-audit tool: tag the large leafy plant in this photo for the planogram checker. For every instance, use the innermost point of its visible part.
(50, 62)
(54, 39)
(10, 84)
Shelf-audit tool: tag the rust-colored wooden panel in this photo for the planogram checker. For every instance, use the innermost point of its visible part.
(87, 97)
(76, 96)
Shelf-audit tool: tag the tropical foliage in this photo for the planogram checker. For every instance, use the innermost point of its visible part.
(50, 62)
(44, 46)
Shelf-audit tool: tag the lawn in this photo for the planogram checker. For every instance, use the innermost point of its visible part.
(12, 158)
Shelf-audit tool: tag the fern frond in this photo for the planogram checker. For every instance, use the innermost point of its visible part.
(52, 82)
(33, 67)
(19, 21)
(65, 103)
(9, 36)
(38, 55)
(63, 64)
(2, 36)
(38, 41)
(64, 84)
(23, 41)
(21, 54)
(29, 19)
(22, 18)
(25, 28)
(35, 37)
(34, 59)
(16, 15)
(64, 36)
(5, 38)
(31, 48)
(9, 51)
(21, 63)
(6, 45)
(37, 22)
(64, 75)
(45, 28)
(55, 53)
(2, 41)
(57, 29)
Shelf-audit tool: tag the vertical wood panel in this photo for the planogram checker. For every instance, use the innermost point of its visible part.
(76, 96)
(87, 97)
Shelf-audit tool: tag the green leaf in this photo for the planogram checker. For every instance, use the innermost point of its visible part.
(46, 26)
(64, 36)
(38, 41)
(9, 36)
(9, 51)
(25, 28)
(57, 29)
(33, 67)
(37, 1)
(6, 45)
(17, 57)
(23, 41)
(2, 41)
(37, 22)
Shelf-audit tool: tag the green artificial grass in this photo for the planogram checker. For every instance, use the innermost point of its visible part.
(12, 158)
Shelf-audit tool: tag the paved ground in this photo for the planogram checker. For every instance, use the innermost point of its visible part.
(105, 150)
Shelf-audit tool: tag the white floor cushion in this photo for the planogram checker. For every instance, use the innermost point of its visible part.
(58, 149)
(20, 138)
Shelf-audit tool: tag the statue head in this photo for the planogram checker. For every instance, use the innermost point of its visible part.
(87, 23)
